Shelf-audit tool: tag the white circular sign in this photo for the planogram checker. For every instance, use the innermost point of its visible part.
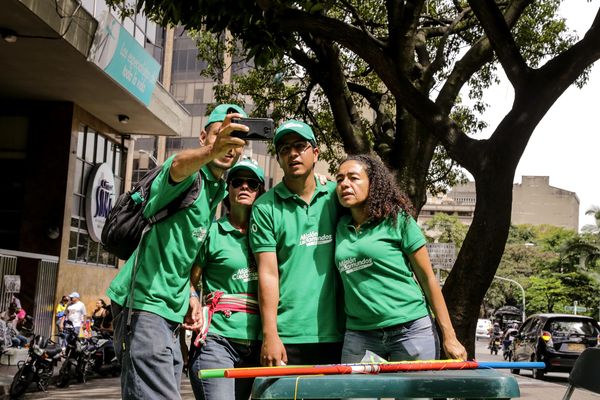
(99, 200)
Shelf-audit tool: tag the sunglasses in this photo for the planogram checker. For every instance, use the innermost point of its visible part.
(299, 146)
(252, 183)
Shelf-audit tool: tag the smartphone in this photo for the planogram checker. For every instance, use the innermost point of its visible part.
(260, 128)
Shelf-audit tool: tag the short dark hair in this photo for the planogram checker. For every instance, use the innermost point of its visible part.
(385, 199)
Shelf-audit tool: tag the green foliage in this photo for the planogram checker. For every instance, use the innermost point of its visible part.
(546, 294)
(284, 72)
(582, 252)
(521, 234)
(553, 292)
(593, 228)
(445, 228)
(553, 238)
(546, 261)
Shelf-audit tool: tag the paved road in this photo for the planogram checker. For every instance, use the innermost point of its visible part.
(552, 388)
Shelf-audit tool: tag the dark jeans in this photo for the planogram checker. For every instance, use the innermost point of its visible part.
(150, 356)
(313, 353)
(220, 352)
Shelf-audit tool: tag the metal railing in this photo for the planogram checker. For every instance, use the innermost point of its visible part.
(8, 266)
(45, 287)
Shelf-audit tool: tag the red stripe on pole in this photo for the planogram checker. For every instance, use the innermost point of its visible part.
(347, 369)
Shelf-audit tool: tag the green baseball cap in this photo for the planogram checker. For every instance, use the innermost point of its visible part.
(221, 111)
(248, 164)
(294, 126)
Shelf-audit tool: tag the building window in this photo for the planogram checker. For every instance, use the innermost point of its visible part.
(92, 148)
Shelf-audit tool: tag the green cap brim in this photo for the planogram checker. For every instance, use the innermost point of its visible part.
(221, 111)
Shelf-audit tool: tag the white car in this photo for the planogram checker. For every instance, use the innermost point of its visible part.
(483, 328)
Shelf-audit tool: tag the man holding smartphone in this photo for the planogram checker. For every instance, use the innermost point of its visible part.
(291, 234)
(148, 343)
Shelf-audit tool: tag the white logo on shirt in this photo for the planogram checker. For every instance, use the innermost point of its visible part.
(246, 274)
(313, 239)
(199, 234)
(351, 264)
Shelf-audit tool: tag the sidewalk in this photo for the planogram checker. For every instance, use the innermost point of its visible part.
(7, 373)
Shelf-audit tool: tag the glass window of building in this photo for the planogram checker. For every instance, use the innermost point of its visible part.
(92, 148)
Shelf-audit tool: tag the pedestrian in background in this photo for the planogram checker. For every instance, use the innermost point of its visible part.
(59, 315)
(380, 250)
(101, 317)
(76, 312)
(13, 317)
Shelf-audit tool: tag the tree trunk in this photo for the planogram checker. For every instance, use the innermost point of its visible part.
(481, 251)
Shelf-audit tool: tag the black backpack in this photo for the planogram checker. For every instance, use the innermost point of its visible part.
(125, 223)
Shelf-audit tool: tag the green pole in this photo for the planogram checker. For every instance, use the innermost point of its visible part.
(212, 373)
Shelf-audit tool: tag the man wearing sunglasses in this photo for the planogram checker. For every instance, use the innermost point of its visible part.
(291, 234)
(148, 342)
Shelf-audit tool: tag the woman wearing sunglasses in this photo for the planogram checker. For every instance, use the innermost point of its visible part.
(231, 325)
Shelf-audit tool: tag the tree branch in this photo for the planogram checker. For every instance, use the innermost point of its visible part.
(331, 78)
(395, 9)
(478, 55)
(418, 104)
(408, 29)
(438, 61)
(502, 41)
(358, 19)
(376, 101)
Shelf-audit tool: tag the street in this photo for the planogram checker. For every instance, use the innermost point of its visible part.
(552, 388)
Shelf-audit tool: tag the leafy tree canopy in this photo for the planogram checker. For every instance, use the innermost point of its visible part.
(445, 228)
(406, 78)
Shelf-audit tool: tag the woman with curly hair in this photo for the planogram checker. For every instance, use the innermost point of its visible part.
(380, 251)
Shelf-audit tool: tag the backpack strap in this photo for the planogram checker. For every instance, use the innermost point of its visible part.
(183, 201)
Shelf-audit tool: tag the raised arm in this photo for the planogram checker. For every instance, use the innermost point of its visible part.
(215, 144)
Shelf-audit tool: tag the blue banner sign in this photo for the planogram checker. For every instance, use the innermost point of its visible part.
(117, 53)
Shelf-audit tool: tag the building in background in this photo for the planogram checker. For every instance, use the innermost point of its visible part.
(77, 84)
(196, 93)
(459, 201)
(534, 202)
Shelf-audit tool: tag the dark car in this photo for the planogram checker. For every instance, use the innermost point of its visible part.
(555, 339)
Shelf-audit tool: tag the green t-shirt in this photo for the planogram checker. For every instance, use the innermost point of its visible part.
(167, 252)
(379, 287)
(224, 259)
(302, 237)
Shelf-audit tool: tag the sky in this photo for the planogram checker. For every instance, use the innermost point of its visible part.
(566, 144)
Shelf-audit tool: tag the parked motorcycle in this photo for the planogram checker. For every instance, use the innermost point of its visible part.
(77, 356)
(38, 367)
(104, 360)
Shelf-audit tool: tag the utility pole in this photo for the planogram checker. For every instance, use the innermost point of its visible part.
(520, 287)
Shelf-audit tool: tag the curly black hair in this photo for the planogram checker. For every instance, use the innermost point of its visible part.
(385, 199)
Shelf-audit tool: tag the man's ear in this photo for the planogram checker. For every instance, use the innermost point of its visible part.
(202, 138)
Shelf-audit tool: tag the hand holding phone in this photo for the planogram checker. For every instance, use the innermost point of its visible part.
(260, 128)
